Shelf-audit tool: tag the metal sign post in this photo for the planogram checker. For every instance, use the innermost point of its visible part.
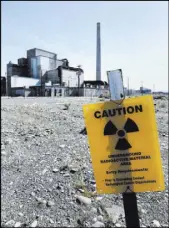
(117, 95)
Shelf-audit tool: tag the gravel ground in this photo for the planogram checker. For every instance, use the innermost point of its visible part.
(46, 172)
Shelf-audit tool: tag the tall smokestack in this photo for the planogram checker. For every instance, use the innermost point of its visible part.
(98, 54)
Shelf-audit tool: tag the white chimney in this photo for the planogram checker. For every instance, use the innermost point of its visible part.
(98, 53)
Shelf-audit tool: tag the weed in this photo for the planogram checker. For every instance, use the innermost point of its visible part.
(80, 184)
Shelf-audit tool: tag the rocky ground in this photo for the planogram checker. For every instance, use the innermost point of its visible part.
(46, 172)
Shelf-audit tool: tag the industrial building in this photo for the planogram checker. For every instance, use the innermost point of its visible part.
(43, 67)
(41, 73)
(3, 86)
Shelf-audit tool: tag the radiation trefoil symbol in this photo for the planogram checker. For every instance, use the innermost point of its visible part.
(129, 127)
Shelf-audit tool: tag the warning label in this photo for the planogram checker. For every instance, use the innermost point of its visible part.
(124, 145)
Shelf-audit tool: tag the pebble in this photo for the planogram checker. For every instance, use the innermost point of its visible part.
(66, 175)
(83, 199)
(98, 198)
(143, 211)
(115, 212)
(34, 224)
(10, 223)
(118, 225)
(3, 152)
(156, 223)
(100, 218)
(73, 170)
(50, 203)
(20, 214)
(62, 146)
(44, 171)
(40, 200)
(17, 224)
(94, 210)
(32, 194)
(94, 220)
(98, 224)
(81, 190)
(51, 221)
(55, 170)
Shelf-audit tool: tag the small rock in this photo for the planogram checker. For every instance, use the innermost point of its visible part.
(115, 212)
(98, 224)
(34, 224)
(100, 218)
(50, 203)
(2, 147)
(83, 199)
(40, 200)
(93, 182)
(55, 170)
(64, 168)
(81, 190)
(163, 134)
(8, 141)
(20, 214)
(143, 211)
(156, 223)
(94, 210)
(66, 175)
(32, 194)
(3, 152)
(62, 146)
(51, 221)
(10, 223)
(98, 198)
(118, 225)
(94, 220)
(73, 170)
(44, 171)
(17, 224)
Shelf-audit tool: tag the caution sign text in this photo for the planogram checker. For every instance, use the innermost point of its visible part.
(124, 145)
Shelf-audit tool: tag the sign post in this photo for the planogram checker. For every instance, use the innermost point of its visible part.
(124, 146)
(116, 88)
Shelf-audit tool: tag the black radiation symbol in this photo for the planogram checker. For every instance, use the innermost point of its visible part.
(122, 143)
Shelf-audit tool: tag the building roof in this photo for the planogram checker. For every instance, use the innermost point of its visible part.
(42, 50)
(72, 68)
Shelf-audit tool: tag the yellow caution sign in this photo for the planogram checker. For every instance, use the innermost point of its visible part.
(124, 145)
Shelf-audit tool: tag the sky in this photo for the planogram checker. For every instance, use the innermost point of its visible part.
(134, 36)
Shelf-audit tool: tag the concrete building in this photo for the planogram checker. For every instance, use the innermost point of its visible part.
(45, 67)
(40, 61)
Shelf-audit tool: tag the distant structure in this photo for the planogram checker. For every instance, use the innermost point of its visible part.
(43, 73)
(3, 86)
(98, 53)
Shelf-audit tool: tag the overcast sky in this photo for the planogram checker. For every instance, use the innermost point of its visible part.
(134, 36)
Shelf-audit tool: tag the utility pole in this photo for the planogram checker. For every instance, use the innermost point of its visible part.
(78, 74)
(128, 87)
(142, 87)
(154, 88)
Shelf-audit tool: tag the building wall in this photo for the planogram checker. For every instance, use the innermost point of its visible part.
(52, 76)
(70, 78)
(15, 69)
(40, 61)
(18, 82)
(3, 86)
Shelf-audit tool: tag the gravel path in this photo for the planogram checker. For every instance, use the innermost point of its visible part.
(46, 172)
